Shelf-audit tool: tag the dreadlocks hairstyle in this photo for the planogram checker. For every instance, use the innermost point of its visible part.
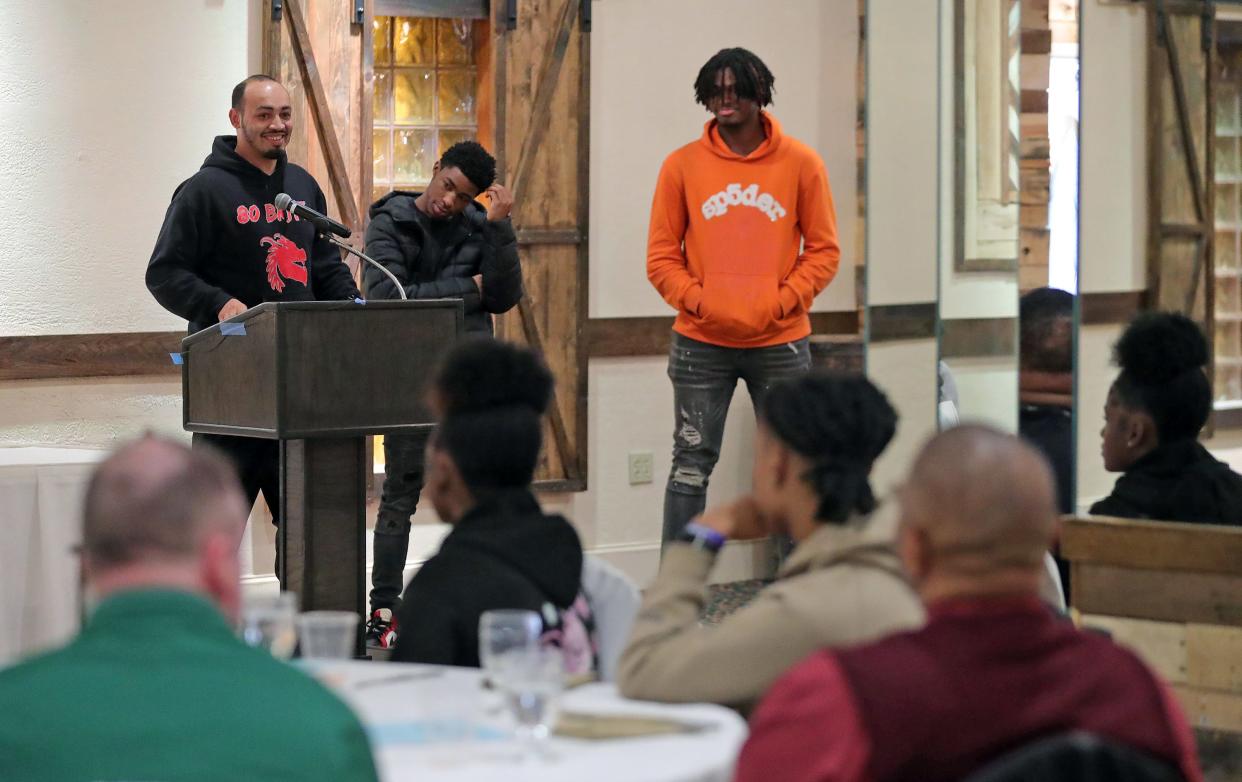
(1046, 317)
(473, 160)
(1162, 356)
(494, 395)
(841, 424)
(754, 80)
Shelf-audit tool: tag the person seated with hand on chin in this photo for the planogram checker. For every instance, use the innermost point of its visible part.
(816, 440)
(1152, 418)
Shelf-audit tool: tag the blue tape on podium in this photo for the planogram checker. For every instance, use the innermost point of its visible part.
(233, 329)
(176, 359)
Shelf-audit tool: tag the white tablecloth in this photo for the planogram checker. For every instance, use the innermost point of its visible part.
(432, 722)
(41, 493)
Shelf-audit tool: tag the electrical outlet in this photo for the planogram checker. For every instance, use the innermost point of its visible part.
(642, 467)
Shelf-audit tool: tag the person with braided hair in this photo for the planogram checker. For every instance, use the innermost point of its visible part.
(818, 436)
(1152, 418)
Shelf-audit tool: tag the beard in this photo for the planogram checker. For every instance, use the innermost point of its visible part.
(259, 144)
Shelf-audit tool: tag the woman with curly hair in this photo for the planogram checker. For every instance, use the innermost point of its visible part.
(1155, 410)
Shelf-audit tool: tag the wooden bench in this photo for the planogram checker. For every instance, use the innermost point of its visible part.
(1173, 593)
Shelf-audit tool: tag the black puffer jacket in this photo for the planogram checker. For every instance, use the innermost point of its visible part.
(436, 259)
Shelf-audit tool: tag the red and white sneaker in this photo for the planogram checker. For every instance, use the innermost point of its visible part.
(382, 629)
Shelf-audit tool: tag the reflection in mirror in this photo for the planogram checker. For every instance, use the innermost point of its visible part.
(980, 194)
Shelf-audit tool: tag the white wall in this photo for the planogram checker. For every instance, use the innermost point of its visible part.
(905, 371)
(642, 108)
(1113, 204)
(902, 64)
(94, 120)
(1113, 148)
(104, 108)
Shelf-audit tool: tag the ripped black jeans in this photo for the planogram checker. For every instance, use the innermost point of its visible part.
(704, 377)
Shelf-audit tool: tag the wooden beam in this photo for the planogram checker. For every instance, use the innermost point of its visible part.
(530, 331)
(1034, 101)
(979, 338)
(90, 355)
(1153, 545)
(1162, 595)
(271, 41)
(893, 322)
(550, 74)
(1111, 307)
(366, 115)
(1211, 709)
(1183, 122)
(1036, 41)
(625, 337)
(322, 113)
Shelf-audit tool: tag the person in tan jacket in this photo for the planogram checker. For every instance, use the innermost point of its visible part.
(818, 436)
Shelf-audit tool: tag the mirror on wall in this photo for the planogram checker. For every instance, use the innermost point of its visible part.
(1008, 248)
(980, 195)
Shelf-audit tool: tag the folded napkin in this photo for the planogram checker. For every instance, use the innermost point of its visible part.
(578, 725)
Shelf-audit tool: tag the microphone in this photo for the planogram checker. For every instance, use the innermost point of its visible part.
(285, 202)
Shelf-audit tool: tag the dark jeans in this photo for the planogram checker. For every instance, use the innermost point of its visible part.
(258, 468)
(257, 462)
(704, 377)
(403, 482)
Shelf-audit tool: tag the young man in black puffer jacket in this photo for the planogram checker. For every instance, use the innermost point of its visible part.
(441, 244)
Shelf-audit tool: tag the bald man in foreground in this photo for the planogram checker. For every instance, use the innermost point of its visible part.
(991, 671)
(157, 686)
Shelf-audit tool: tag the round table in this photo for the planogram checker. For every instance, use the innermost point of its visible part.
(438, 722)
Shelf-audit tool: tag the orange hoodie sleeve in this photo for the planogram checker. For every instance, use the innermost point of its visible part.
(666, 260)
(821, 255)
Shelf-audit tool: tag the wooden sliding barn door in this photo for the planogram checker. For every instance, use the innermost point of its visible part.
(320, 50)
(533, 110)
(542, 108)
(1181, 125)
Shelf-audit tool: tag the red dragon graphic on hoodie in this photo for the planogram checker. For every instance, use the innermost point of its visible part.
(285, 261)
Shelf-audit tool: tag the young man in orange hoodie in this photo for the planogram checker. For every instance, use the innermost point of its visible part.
(742, 238)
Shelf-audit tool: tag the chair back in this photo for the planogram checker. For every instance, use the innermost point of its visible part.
(614, 601)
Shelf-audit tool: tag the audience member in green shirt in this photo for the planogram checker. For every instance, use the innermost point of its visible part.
(157, 687)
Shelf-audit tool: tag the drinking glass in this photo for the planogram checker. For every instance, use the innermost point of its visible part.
(268, 622)
(531, 681)
(328, 635)
(505, 630)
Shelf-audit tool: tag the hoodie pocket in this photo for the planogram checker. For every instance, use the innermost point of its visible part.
(740, 305)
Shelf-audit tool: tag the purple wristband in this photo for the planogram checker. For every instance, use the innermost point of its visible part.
(701, 536)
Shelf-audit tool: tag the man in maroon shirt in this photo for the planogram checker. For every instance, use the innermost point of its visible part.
(991, 671)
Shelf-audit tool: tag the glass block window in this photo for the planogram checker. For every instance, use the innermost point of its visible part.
(1228, 218)
(425, 97)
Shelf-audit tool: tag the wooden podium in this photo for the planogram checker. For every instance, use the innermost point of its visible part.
(319, 376)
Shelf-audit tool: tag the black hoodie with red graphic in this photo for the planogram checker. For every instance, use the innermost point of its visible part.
(223, 238)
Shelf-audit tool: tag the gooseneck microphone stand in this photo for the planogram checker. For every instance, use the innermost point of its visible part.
(332, 238)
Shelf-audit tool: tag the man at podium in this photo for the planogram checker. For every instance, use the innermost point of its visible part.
(441, 244)
(225, 247)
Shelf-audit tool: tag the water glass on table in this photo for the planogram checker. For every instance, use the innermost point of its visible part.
(268, 622)
(502, 631)
(531, 681)
(328, 635)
